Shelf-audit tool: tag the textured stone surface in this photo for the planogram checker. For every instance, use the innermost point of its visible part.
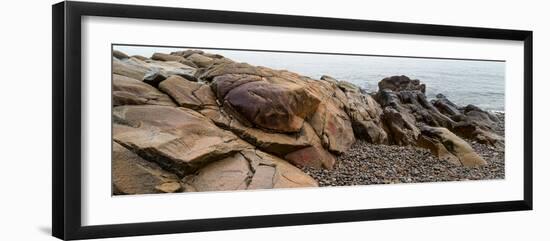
(188, 94)
(249, 169)
(447, 146)
(128, 91)
(133, 175)
(178, 139)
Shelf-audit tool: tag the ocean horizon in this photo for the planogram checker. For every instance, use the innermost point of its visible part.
(464, 82)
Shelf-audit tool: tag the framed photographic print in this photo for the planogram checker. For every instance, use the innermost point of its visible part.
(169, 120)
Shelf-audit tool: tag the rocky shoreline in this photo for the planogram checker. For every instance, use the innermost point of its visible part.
(192, 121)
(366, 164)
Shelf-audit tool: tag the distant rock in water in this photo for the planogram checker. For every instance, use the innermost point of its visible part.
(206, 123)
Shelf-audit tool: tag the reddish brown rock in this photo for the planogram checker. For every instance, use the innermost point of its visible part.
(330, 120)
(235, 68)
(128, 91)
(169, 57)
(365, 113)
(188, 94)
(200, 60)
(129, 68)
(273, 103)
(133, 175)
(313, 156)
(249, 169)
(179, 139)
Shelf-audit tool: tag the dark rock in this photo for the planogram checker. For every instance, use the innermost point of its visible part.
(399, 83)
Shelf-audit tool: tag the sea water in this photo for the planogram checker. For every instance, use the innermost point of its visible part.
(463, 81)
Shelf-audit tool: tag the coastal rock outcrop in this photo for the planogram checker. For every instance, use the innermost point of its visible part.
(196, 121)
(193, 95)
(449, 147)
(248, 169)
(273, 103)
(134, 175)
(365, 114)
(128, 91)
(406, 108)
(330, 120)
(178, 139)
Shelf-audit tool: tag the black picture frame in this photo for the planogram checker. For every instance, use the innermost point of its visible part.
(66, 128)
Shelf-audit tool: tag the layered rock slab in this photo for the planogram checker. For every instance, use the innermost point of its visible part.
(189, 94)
(449, 147)
(365, 113)
(178, 139)
(133, 175)
(330, 120)
(128, 91)
(248, 169)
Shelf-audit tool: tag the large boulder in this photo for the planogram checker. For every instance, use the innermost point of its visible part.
(400, 123)
(333, 126)
(303, 148)
(176, 58)
(365, 114)
(399, 83)
(276, 143)
(248, 169)
(128, 91)
(133, 175)
(187, 53)
(445, 106)
(131, 68)
(159, 71)
(120, 55)
(178, 139)
(208, 74)
(330, 120)
(274, 103)
(471, 122)
(401, 126)
(315, 155)
(449, 147)
(200, 60)
(193, 95)
(406, 107)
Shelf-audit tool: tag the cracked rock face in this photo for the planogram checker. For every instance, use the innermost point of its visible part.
(134, 175)
(178, 139)
(449, 147)
(188, 94)
(128, 91)
(330, 120)
(248, 169)
(196, 121)
(271, 103)
(365, 114)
